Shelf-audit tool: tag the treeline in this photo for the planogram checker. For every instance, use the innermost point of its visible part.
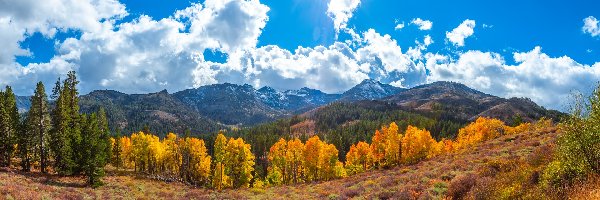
(54, 138)
(186, 159)
(341, 124)
(292, 161)
(231, 164)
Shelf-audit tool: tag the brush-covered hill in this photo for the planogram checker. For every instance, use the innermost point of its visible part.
(505, 167)
(464, 103)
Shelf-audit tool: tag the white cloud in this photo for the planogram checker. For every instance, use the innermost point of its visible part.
(333, 69)
(340, 11)
(590, 25)
(143, 55)
(399, 26)
(146, 55)
(415, 53)
(20, 19)
(546, 80)
(464, 30)
(423, 24)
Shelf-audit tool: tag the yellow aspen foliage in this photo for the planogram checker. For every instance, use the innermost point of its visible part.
(448, 145)
(157, 154)
(172, 155)
(141, 153)
(239, 162)
(439, 148)
(126, 152)
(386, 146)
(312, 150)
(328, 160)
(392, 145)
(199, 160)
(294, 159)
(339, 170)
(416, 144)
(220, 179)
(521, 128)
(481, 130)
(359, 158)
(112, 142)
(321, 160)
(278, 170)
(378, 148)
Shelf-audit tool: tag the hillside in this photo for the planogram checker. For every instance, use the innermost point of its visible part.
(464, 103)
(369, 89)
(431, 178)
(160, 111)
(213, 107)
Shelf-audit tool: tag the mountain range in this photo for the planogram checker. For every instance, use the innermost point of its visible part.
(213, 107)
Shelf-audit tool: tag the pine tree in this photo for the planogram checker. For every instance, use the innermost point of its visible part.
(66, 133)
(105, 134)
(59, 144)
(9, 125)
(38, 125)
(93, 151)
(117, 149)
(74, 126)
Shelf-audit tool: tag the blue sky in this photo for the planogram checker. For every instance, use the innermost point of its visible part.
(543, 50)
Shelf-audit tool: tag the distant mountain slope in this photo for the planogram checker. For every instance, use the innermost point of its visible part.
(23, 103)
(465, 103)
(295, 101)
(212, 107)
(230, 104)
(160, 111)
(370, 89)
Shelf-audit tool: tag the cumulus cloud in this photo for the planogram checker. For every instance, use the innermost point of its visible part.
(147, 55)
(20, 19)
(546, 80)
(464, 30)
(415, 53)
(590, 26)
(423, 24)
(340, 11)
(333, 68)
(399, 26)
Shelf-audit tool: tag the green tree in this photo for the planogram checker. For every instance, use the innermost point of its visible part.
(59, 144)
(38, 125)
(577, 152)
(94, 147)
(66, 132)
(9, 125)
(117, 149)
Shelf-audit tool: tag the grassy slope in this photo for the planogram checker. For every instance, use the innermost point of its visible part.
(429, 178)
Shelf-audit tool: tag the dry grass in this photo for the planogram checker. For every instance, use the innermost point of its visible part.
(430, 179)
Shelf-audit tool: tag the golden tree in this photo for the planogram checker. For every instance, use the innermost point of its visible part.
(416, 144)
(199, 160)
(312, 150)
(279, 165)
(359, 158)
(294, 159)
(220, 179)
(481, 130)
(239, 162)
